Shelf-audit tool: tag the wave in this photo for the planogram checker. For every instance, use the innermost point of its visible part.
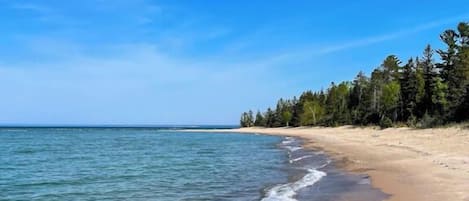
(287, 192)
(288, 141)
(300, 158)
(293, 148)
(16, 130)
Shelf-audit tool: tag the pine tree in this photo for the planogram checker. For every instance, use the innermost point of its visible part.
(420, 91)
(337, 104)
(439, 96)
(296, 112)
(246, 119)
(455, 71)
(462, 67)
(419, 75)
(358, 98)
(269, 118)
(429, 76)
(250, 119)
(409, 90)
(259, 119)
(448, 56)
(390, 68)
(375, 93)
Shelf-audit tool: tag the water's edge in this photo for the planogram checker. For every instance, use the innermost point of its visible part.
(315, 177)
(304, 171)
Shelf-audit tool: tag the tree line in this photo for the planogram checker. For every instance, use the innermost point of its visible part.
(419, 93)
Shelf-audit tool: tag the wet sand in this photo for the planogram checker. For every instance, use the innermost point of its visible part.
(408, 164)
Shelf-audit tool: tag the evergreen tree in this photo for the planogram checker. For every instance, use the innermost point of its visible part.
(462, 67)
(429, 76)
(420, 91)
(419, 74)
(259, 119)
(247, 119)
(282, 106)
(449, 70)
(296, 112)
(337, 104)
(439, 95)
(409, 90)
(269, 118)
(390, 68)
(448, 56)
(358, 99)
(375, 93)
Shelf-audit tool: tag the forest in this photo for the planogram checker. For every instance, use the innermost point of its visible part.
(428, 90)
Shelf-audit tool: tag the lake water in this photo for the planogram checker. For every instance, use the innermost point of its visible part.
(160, 164)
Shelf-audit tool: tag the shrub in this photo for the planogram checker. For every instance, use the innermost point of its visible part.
(429, 121)
(385, 122)
(412, 121)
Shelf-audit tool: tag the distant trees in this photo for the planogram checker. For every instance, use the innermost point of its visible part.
(313, 112)
(260, 121)
(247, 119)
(420, 92)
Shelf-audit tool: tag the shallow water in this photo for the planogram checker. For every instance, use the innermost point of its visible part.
(155, 164)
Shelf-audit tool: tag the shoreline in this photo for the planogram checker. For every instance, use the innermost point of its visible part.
(408, 164)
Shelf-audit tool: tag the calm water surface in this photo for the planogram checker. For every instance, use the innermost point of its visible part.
(168, 165)
(137, 164)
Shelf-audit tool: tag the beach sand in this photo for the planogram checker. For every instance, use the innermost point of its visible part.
(409, 164)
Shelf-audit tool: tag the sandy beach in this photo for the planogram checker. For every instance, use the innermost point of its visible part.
(409, 164)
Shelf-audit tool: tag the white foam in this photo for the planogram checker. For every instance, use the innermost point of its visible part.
(287, 192)
(287, 141)
(300, 158)
(292, 149)
(325, 164)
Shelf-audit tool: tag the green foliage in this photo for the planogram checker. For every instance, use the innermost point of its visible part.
(259, 119)
(412, 121)
(287, 116)
(337, 112)
(386, 122)
(420, 82)
(312, 113)
(409, 91)
(247, 120)
(390, 100)
(439, 96)
(390, 97)
(269, 118)
(390, 68)
(429, 77)
(428, 121)
(421, 93)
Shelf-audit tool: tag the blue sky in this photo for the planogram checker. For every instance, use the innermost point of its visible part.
(195, 62)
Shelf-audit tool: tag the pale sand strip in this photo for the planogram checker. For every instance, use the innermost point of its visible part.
(409, 164)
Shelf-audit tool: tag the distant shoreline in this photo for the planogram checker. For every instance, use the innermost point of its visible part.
(123, 126)
(409, 164)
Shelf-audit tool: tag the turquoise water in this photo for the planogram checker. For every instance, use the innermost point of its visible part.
(137, 164)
